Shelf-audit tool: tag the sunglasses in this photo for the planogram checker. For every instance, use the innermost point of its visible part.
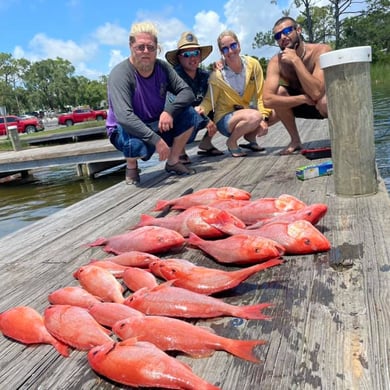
(141, 48)
(190, 53)
(286, 31)
(232, 46)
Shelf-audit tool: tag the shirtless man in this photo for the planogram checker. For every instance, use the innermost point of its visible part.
(295, 85)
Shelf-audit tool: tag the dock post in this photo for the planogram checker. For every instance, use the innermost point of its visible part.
(350, 112)
(14, 137)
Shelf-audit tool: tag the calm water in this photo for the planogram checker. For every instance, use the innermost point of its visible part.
(57, 188)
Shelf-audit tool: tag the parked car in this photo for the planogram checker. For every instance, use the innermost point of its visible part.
(24, 125)
(81, 115)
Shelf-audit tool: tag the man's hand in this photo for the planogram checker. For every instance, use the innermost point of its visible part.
(162, 149)
(166, 121)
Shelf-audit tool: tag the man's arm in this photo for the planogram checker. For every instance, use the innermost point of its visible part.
(313, 83)
(271, 97)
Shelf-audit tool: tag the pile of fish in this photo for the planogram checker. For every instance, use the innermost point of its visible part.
(131, 309)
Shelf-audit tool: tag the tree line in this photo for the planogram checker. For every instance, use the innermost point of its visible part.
(51, 84)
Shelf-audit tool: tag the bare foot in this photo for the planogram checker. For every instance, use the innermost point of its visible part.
(291, 149)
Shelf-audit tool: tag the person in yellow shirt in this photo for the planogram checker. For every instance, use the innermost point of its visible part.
(235, 96)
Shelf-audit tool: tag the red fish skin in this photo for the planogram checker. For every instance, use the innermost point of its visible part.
(100, 282)
(142, 364)
(312, 213)
(203, 197)
(107, 313)
(171, 334)
(196, 219)
(170, 301)
(114, 268)
(137, 278)
(263, 208)
(239, 249)
(26, 325)
(150, 239)
(132, 259)
(73, 295)
(299, 237)
(205, 280)
(74, 326)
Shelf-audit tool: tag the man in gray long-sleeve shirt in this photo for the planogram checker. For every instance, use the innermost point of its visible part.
(140, 119)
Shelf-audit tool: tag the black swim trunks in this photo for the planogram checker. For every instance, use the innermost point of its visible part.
(304, 110)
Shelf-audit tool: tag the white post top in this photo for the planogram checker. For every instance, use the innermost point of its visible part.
(345, 56)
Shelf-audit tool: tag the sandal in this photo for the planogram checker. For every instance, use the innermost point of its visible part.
(179, 169)
(253, 146)
(132, 176)
(213, 151)
(237, 152)
(184, 159)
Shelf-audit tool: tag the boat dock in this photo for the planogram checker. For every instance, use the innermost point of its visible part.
(331, 311)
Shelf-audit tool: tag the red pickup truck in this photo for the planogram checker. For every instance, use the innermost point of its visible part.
(81, 115)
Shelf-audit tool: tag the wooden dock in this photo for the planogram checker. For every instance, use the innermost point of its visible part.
(331, 314)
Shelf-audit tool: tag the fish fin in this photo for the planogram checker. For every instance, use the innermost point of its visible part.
(98, 242)
(61, 347)
(244, 349)
(160, 205)
(253, 312)
(145, 220)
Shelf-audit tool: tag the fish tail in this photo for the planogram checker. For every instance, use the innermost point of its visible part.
(61, 348)
(98, 242)
(193, 239)
(244, 349)
(145, 220)
(160, 205)
(253, 312)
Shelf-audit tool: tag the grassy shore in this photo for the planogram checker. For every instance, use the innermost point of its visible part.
(380, 73)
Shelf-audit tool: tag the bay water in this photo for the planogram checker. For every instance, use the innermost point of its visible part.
(53, 189)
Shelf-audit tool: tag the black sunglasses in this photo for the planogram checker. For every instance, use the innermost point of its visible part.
(286, 31)
(232, 46)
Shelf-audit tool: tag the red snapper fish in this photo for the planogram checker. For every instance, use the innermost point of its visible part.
(299, 237)
(107, 313)
(170, 301)
(114, 268)
(203, 197)
(137, 278)
(150, 239)
(239, 249)
(100, 282)
(73, 295)
(26, 325)
(132, 259)
(312, 213)
(205, 280)
(74, 326)
(142, 364)
(196, 219)
(171, 334)
(264, 208)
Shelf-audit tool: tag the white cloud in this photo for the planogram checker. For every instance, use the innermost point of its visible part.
(111, 34)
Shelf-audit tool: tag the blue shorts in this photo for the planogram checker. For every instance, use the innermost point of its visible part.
(223, 124)
(133, 147)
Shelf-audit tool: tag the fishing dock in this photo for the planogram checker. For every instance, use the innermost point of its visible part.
(331, 311)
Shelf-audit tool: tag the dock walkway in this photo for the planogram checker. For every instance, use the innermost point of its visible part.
(331, 315)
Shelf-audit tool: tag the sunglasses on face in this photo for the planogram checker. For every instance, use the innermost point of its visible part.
(190, 53)
(232, 46)
(286, 31)
(141, 48)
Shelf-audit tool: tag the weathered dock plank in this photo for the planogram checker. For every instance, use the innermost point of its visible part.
(330, 319)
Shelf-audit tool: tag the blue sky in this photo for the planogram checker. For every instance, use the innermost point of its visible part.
(93, 35)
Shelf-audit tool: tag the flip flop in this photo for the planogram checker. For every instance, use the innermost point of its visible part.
(252, 146)
(237, 152)
(210, 152)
